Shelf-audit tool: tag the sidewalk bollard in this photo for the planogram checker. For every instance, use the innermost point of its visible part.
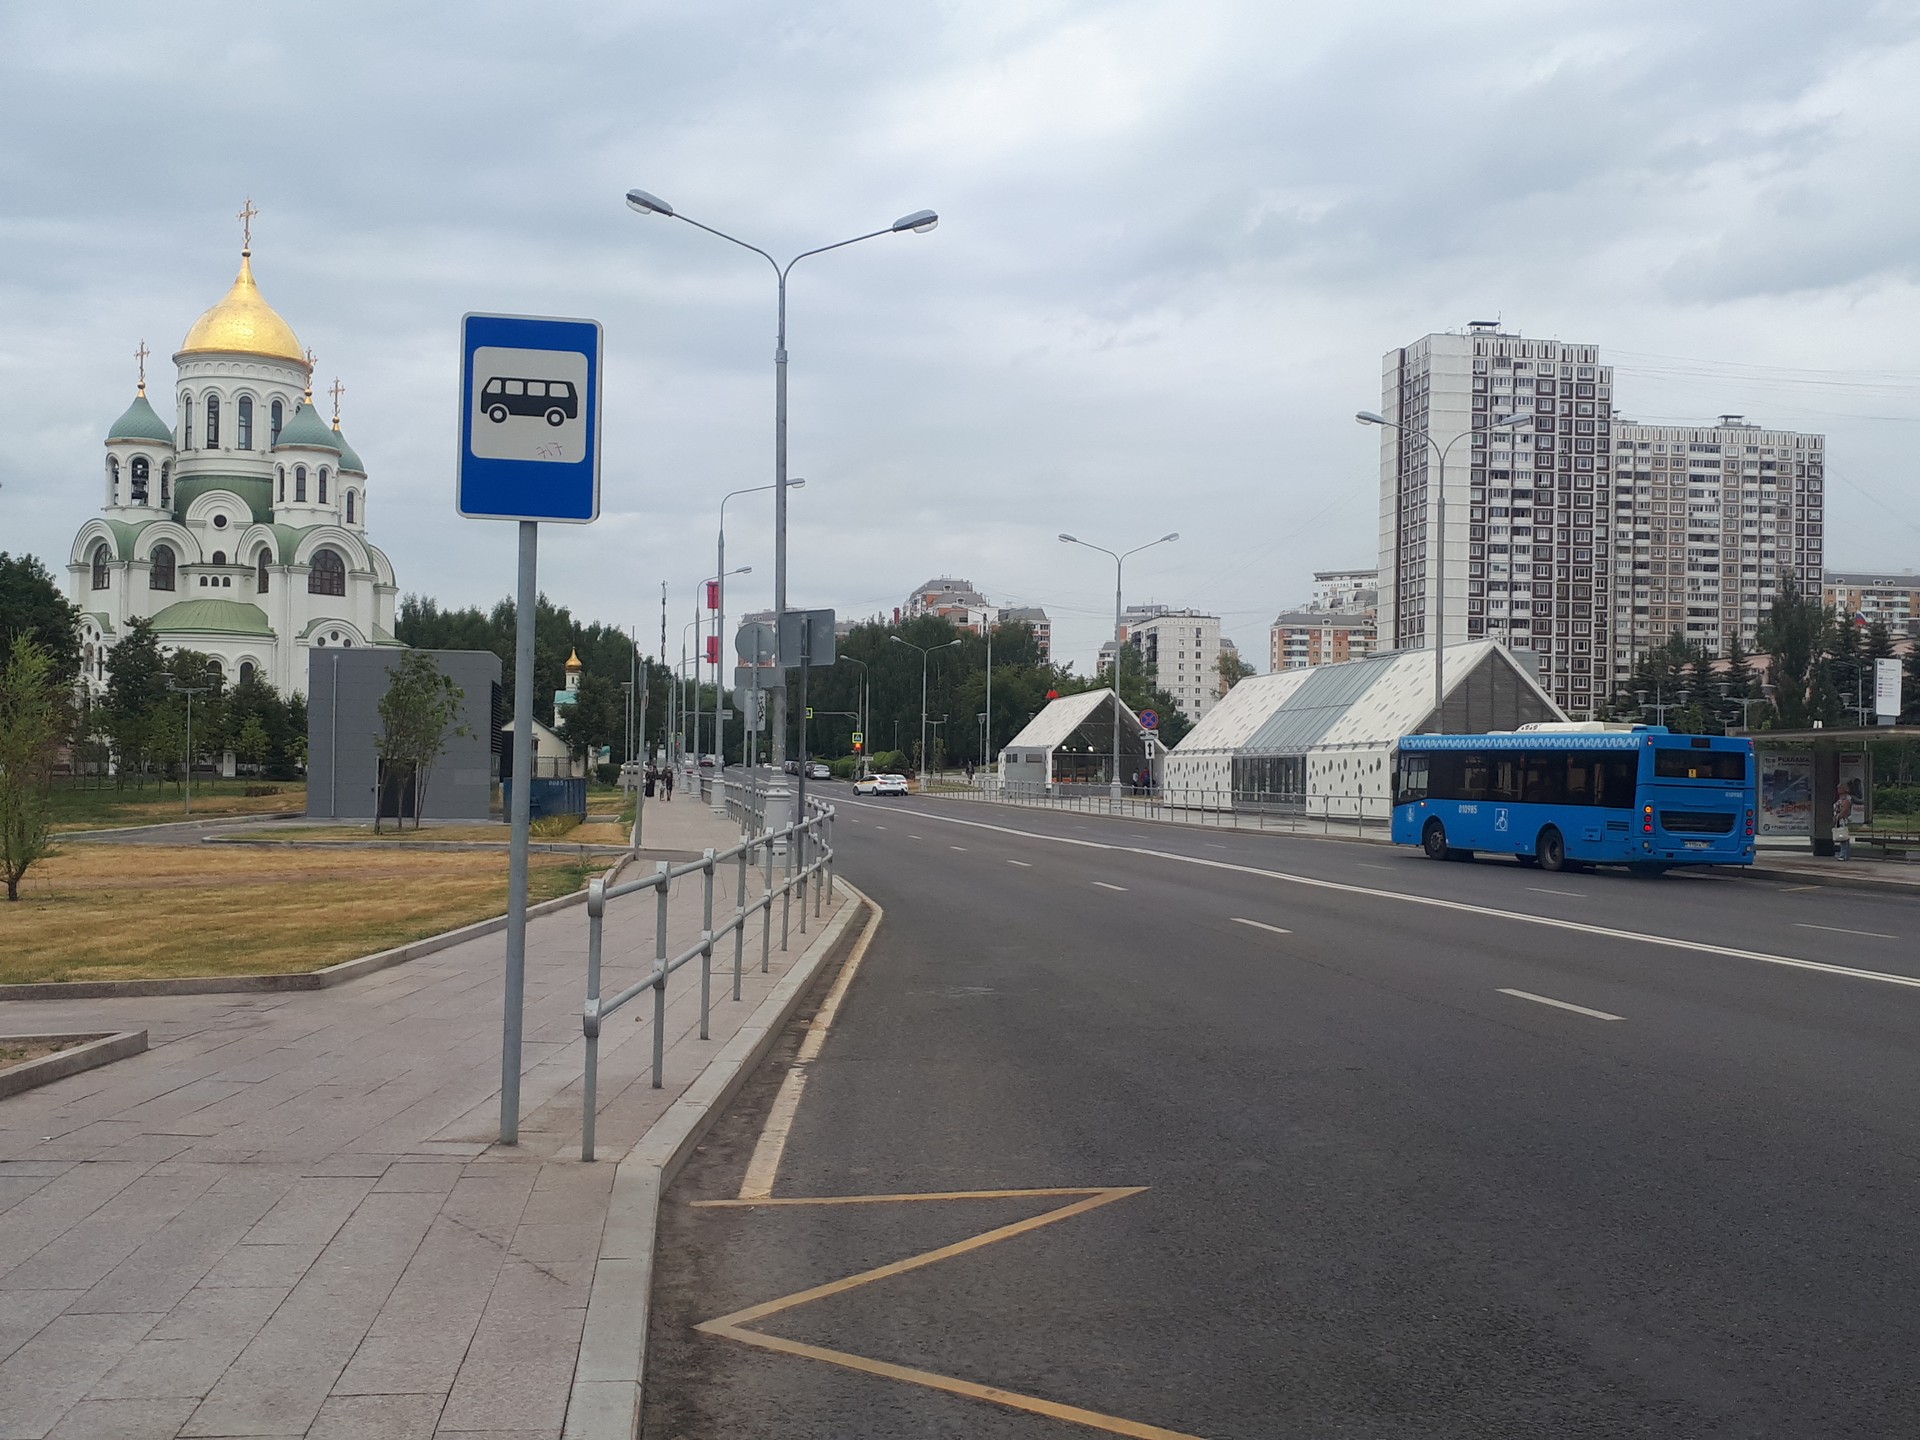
(590, 1015)
(706, 943)
(740, 923)
(766, 907)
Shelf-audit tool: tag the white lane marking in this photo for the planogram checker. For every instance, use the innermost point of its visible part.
(1790, 889)
(1560, 1004)
(1667, 942)
(1365, 866)
(879, 827)
(957, 847)
(913, 837)
(1259, 925)
(1842, 930)
(1215, 845)
(1021, 863)
(1542, 890)
(764, 1165)
(1104, 886)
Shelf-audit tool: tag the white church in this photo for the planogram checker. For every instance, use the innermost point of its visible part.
(240, 529)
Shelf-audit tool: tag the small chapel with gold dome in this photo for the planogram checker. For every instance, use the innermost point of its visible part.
(240, 528)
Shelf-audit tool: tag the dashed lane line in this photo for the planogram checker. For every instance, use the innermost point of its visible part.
(1021, 863)
(1570, 894)
(1260, 925)
(1842, 930)
(1105, 886)
(1559, 1004)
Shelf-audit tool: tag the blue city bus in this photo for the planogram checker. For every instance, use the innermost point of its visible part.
(1563, 798)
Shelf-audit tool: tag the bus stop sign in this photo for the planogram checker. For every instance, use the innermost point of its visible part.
(529, 419)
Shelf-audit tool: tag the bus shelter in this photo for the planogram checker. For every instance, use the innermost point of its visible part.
(1802, 773)
(1070, 744)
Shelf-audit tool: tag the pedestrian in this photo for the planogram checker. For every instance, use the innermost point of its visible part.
(666, 779)
(653, 778)
(1842, 821)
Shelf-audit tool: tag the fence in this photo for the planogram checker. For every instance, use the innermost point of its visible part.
(806, 847)
(1215, 808)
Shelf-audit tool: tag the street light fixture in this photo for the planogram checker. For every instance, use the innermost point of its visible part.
(1119, 560)
(1437, 549)
(919, 222)
(926, 652)
(186, 773)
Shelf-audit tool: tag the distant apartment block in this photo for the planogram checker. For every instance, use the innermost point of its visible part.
(1344, 589)
(1042, 627)
(955, 600)
(1181, 649)
(1878, 595)
(1301, 639)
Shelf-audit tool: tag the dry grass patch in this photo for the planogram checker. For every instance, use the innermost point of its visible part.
(594, 832)
(19, 1052)
(119, 912)
(105, 809)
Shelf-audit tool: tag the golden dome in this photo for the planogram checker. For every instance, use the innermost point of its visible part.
(243, 323)
(573, 661)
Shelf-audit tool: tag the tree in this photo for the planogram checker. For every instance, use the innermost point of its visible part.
(1233, 670)
(31, 605)
(252, 744)
(598, 716)
(1794, 633)
(35, 715)
(136, 694)
(420, 708)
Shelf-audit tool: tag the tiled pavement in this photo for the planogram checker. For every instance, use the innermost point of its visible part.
(287, 1217)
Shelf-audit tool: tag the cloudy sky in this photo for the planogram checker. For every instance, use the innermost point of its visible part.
(1176, 239)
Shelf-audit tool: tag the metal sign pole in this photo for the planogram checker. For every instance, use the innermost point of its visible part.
(516, 983)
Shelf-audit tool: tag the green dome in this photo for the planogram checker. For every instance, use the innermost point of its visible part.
(306, 428)
(140, 422)
(349, 458)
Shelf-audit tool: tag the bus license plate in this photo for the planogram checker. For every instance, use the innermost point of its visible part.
(1699, 844)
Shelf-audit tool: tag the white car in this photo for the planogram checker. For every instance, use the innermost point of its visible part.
(818, 771)
(881, 785)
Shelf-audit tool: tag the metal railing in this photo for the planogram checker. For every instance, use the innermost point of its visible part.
(802, 852)
(1211, 807)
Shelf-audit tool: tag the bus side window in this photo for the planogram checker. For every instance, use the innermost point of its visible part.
(1616, 780)
(1475, 777)
(1580, 771)
(1546, 778)
(1505, 788)
(1443, 774)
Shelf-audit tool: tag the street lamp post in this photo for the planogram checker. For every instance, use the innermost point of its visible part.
(926, 652)
(720, 629)
(920, 222)
(1119, 561)
(718, 580)
(866, 740)
(1437, 548)
(186, 774)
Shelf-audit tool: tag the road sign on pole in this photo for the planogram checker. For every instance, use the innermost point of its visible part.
(806, 638)
(1149, 720)
(529, 451)
(529, 419)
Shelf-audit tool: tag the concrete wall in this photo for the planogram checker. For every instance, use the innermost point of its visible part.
(343, 728)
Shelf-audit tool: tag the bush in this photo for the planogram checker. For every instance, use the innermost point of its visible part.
(551, 827)
(608, 775)
(847, 768)
(890, 762)
(1896, 799)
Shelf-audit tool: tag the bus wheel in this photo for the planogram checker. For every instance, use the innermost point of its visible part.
(1550, 850)
(1433, 840)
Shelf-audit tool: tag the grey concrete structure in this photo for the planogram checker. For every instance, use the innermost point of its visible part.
(344, 689)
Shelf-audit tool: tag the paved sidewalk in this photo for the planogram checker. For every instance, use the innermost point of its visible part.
(288, 1217)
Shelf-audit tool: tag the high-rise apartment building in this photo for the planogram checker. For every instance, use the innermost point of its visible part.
(1042, 626)
(1706, 520)
(1526, 546)
(1301, 639)
(1343, 589)
(1182, 651)
(1878, 595)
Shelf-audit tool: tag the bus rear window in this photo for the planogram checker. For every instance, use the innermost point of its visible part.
(1726, 766)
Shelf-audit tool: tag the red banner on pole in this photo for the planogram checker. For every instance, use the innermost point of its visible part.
(713, 649)
(713, 594)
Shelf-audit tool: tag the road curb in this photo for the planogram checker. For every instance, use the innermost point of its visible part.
(610, 1373)
(103, 1048)
(284, 982)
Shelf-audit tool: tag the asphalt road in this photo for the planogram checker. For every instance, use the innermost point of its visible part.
(1385, 1195)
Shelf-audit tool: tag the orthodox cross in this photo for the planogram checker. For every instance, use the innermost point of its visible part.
(312, 360)
(336, 390)
(245, 217)
(141, 355)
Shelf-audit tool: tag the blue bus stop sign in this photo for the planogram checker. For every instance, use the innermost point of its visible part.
(529, 419)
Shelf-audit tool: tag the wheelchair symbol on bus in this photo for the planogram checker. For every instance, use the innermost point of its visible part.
(1500, 819)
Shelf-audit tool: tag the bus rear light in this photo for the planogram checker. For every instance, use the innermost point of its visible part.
(1749, 824)
(1646, 819)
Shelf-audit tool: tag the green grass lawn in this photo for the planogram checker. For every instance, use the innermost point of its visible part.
(81, 806)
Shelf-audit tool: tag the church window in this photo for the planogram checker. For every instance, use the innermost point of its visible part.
(219, 522)
(246, 422)
(281, 471)
(160, 576)
(274, 417)
(260, 572)
(166, 475)
(113, 480)
(219, 557)
(186, 422)
(139, 471)
(328, 575)
(349, 507)
(213, 422)
(323, 484)
(300, 484)
(246, 672)
(101, 579)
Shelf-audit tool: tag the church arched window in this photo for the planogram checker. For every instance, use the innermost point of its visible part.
(219, 557)
(281, 472)
(186, 422)
(113, 479)
(246, 672)
(213, 422)
(274, 417)
(160, 576)
(260, 571)
(245, 422)
(102, 578)
(328, 574)
(323, 484)
(166, 475)
(349, 507)
(300, 484)
(139, 470)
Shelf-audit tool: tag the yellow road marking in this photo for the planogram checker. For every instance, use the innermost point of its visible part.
(771, 1147)
(732, 1326)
